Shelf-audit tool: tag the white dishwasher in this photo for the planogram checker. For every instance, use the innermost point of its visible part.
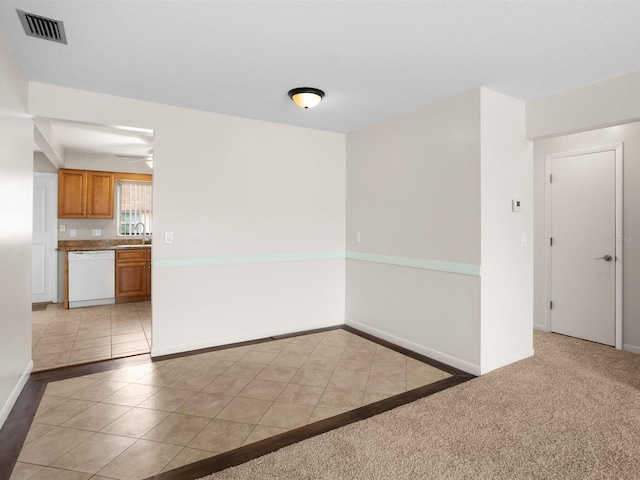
(92, 278)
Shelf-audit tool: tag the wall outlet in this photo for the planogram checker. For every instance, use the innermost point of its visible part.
(73, 233)
(168, 238)
(523, 239)
(62, 228)
(96, 232)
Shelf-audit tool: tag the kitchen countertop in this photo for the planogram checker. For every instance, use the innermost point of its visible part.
(111, 244)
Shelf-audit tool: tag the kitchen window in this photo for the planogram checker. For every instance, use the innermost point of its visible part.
(134, 207)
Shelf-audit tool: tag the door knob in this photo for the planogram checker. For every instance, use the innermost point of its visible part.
(606, 258)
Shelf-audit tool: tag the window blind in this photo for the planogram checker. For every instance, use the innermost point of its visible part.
(134, 207)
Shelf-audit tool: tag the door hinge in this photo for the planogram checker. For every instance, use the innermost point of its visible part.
(550, 178)
(551, 305)
(551, 241)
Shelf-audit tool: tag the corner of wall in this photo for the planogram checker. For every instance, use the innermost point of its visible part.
(16, 205)
(418, 217)
(433, 353)
(506, 232)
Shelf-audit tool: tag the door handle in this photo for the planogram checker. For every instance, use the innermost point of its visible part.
(606, 258)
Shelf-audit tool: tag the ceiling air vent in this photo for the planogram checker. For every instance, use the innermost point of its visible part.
(42, 27)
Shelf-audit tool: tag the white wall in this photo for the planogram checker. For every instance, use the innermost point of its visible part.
(615, 104)
(507, 266)
(413, 194)
(439, 266)
(42, 164)
(258, 215)
(629, 135)
(603, 104)
(236, 192)
(16, 211)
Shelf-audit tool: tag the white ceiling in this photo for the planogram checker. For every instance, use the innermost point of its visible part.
(102, 139)
(374, 60)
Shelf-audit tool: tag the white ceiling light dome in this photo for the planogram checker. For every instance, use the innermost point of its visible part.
(306, 97)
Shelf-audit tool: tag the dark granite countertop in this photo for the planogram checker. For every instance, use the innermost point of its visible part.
(111, 244)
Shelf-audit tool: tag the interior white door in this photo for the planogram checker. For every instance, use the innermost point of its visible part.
(43, 256)
(583, 251)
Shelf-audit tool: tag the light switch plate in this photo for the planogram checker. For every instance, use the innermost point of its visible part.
(515, 206)
(62, 227)
(168, 238)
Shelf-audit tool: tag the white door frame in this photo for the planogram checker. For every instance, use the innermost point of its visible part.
(619, 240)
(52, 216)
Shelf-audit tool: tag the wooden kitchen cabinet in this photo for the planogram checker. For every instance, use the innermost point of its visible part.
(85, 194)
(72, 193)
(99, 195)
(133, 275)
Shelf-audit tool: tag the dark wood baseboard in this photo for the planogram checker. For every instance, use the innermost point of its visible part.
(62, 373)
(244, 454)
(244, 344)
(16, 428)
(409, 353)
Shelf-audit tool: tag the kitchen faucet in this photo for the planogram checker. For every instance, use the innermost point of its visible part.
(135, 229)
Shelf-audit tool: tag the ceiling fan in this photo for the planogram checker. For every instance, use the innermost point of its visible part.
(147, 158)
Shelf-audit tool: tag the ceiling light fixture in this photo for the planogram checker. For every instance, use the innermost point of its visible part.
(306, 97)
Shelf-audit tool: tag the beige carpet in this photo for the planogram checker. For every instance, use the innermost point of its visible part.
(570, 412)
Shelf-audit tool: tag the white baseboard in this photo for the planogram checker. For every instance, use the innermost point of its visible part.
(540, 326)
(13, 398)
(428, 352)
(216, 342)
(631, 348)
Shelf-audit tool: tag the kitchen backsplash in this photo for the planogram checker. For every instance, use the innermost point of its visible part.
(84, 229)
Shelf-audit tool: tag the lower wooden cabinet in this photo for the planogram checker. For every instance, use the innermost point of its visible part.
(133, 275)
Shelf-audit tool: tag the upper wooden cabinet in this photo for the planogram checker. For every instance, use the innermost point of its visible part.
(99, 195)
(85, 194)
(72, 194)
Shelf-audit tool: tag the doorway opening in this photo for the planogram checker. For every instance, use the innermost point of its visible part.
(78, 169)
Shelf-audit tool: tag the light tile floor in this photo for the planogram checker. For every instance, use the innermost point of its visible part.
(69, 337)
(134, 422)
